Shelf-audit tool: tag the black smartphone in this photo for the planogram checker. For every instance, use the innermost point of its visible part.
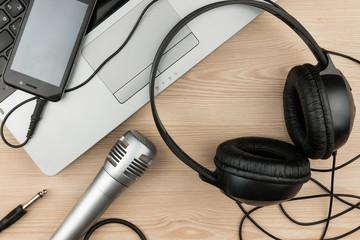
(46, 46)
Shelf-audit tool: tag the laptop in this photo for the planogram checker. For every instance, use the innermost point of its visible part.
(73, 125)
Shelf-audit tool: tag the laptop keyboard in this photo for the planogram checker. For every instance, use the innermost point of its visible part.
(11, 14)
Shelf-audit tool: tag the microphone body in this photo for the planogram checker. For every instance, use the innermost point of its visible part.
(127, 161)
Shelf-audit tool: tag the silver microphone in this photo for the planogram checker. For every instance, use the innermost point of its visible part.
(127, 161)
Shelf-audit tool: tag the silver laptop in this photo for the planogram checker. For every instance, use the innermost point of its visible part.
(70, 127)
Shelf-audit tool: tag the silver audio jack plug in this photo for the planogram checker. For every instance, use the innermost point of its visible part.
(19, 211)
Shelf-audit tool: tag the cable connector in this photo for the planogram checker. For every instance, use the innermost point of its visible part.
(18, 212)
(36, 116)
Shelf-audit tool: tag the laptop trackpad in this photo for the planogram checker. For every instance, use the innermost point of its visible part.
(128, 71)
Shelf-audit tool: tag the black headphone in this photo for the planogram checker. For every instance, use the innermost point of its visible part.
(319, 113)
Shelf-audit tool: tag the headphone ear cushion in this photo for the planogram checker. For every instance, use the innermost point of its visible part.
(307, 112)
(262, 159)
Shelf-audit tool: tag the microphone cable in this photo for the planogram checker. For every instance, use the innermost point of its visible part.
(118, 221)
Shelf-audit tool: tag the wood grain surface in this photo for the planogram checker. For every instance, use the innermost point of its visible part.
(236, 91)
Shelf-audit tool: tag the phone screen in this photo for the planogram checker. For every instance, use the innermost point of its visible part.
(48, 39)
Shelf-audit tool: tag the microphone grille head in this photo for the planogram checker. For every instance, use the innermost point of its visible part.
(143, 140)
(130, 157)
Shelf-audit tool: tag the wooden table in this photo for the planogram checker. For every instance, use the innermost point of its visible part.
(236, 91)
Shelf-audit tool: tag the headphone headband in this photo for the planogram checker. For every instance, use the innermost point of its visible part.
(205, 173)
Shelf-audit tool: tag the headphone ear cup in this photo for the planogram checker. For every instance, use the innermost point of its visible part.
(260, 171)
(307, 113)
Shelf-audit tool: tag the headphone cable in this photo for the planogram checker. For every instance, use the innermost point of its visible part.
(35, 118)
(41, 102)
(38, 108)
(330, 193)
(33, 126)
